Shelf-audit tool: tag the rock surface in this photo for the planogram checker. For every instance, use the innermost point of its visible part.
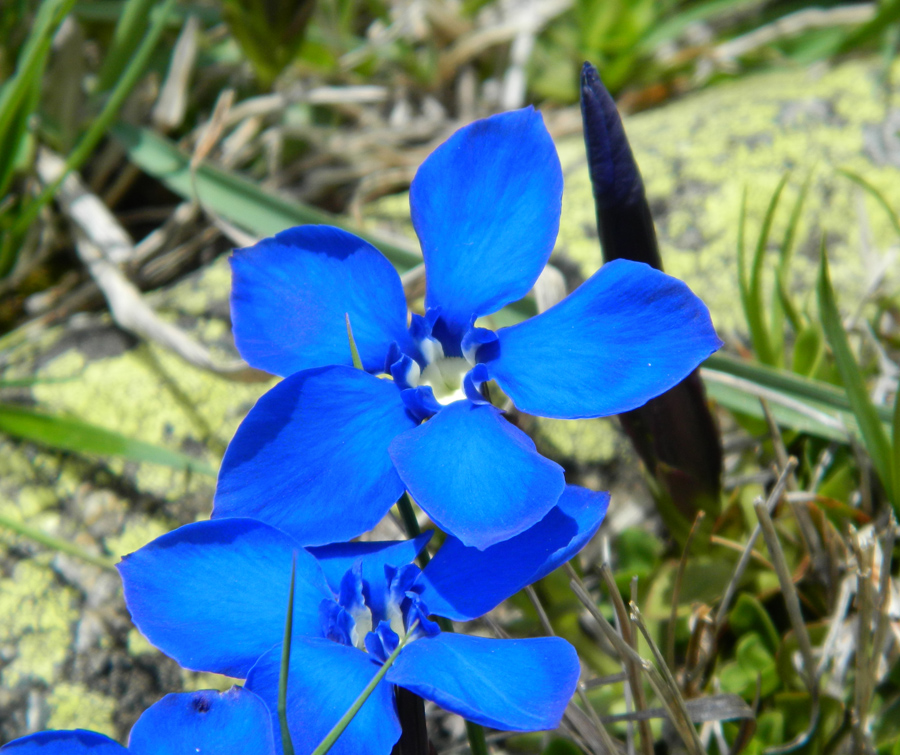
(68, 655)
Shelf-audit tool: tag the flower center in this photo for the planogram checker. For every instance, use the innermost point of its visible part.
(445, 376)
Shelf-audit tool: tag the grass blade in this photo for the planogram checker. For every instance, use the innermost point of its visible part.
(100, 124)
(81, 437)
(54, 543)
(131, 25)
(895, 435)
(815, 392)
(876, 194)
(784, 304)
(326, 744)
(752, 291)
(286, 743)
(874, 436)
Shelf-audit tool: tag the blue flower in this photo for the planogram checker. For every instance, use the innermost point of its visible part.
(214, 723)
(325, 453)
(213, 596)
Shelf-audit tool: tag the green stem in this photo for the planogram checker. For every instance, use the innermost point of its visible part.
(475, 732)
(326, 744)
(55, 543)
(286, 743)
(411, 525)
(477, 742)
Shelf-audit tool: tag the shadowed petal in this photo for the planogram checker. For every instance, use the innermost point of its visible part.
(76, 742)
(478, 476)
(291, 292)
(311, 457)
(324, 680)
(213, 595)
(625, 335)
(485, 205)
(207, 722)
(464, 583)
(515, 685)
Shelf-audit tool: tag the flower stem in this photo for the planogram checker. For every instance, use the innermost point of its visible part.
(326, 744)
(477, 742)
(411, 525)
(475, 732)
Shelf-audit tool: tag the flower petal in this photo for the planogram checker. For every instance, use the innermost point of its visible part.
(336, 560)
(485, 205)
(476, 475)
(291, 292)
(625, 335)
(464, 583)
(311, 457)
(208, 722)
(75, 742)
(213, 595)
(515, 685)
(324, 680)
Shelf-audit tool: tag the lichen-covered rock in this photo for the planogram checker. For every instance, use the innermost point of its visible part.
(68, 654)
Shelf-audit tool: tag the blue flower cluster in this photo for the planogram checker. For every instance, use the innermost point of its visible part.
(324, 454)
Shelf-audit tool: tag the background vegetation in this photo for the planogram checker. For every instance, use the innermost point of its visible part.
(772, 621)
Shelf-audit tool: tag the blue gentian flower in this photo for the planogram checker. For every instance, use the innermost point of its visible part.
(326, 452)
(213, 595)
(208, 722)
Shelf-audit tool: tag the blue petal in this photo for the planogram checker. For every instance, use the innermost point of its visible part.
(324, 680)
(485, 205)
(76, 742)
(515, 685)
(213, 595)
(311, 457)
(336, 560)
(627, 334)
(464, 583)
(208, 722)
(291, 293)
(476, 475)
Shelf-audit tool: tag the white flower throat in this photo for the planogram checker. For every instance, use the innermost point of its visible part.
(443, 374)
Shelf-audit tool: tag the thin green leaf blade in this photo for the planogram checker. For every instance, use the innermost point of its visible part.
(81, 437)
(874, 436)
(754, 305)
(286, 743)
(876, 195)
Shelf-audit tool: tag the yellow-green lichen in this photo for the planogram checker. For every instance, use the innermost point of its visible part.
(141, 530)
(74, 706)
(36, 619)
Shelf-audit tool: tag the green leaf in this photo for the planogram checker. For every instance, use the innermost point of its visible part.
(81, 437)
(873, 433)
(749, 615)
